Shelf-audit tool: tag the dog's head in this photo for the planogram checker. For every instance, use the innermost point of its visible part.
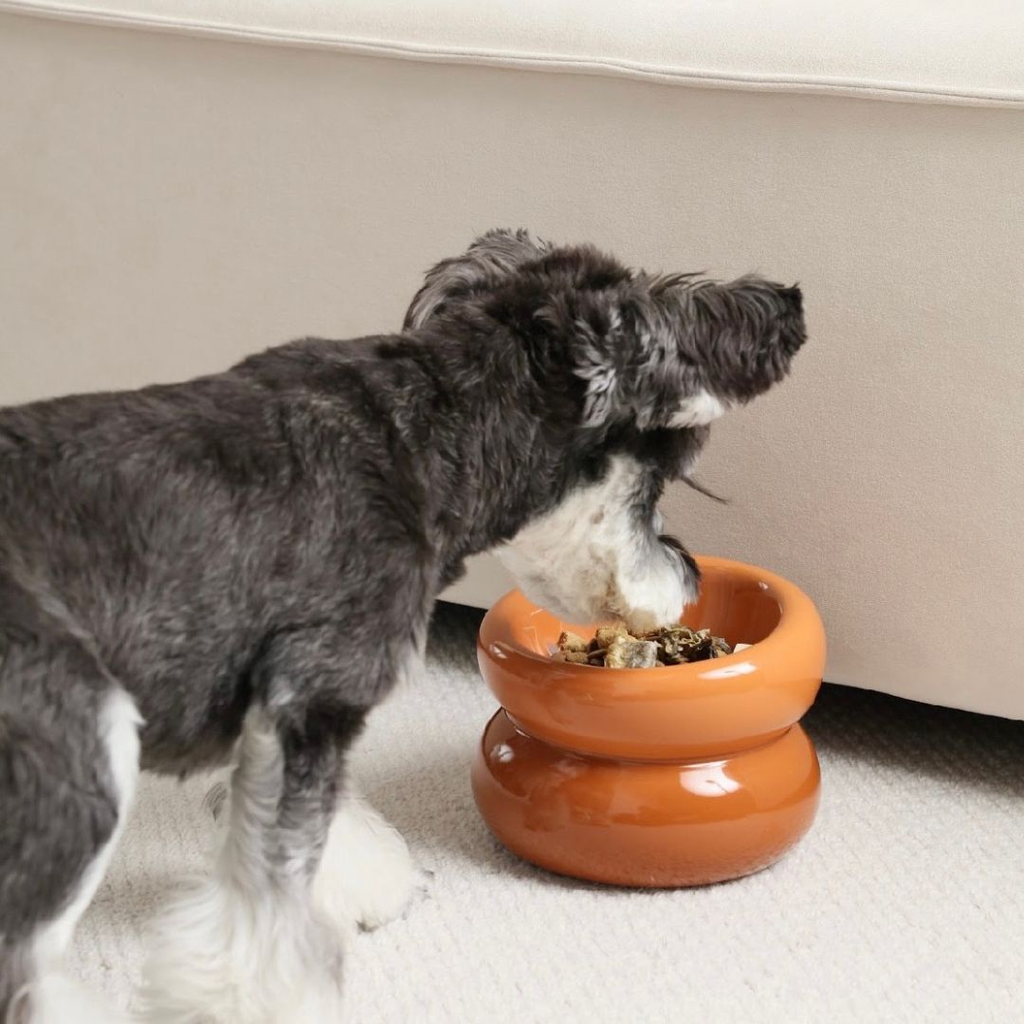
(670, 350)
(640, 364)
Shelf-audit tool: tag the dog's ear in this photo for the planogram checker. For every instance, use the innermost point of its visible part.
(483, 266)
(623, 350)
(599, 348)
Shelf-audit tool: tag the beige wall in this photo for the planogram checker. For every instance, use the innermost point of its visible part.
(169, 204)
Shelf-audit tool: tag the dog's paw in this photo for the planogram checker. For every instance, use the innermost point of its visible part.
(392, 898)
(656, 591)
(367, 875)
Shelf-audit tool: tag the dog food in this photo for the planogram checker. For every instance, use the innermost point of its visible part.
(616, 647)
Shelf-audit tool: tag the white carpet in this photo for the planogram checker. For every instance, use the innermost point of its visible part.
(905, 902)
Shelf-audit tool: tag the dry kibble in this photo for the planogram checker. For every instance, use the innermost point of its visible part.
(625, 652)
(577, 657)
(607, 635)
(572, 642)
(616, 647)
(679, 644)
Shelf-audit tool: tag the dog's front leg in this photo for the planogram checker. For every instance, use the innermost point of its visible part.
(367, 877)
(247, 945)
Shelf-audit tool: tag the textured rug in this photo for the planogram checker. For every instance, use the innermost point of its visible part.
(905, 902)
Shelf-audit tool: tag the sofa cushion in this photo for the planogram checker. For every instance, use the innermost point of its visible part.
(941, 51)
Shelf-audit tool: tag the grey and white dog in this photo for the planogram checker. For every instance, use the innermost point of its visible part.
(243, 565)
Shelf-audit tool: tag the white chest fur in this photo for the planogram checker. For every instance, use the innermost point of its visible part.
(593, 556)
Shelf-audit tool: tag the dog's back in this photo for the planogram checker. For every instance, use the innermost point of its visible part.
(168, 530)
(59, 799)
(150, 544)
(125, 517)
(135, 535)
(68, 728)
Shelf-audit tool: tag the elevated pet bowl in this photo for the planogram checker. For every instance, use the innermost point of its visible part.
(669, 776)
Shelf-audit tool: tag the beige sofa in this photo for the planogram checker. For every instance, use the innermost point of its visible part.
(185, 181)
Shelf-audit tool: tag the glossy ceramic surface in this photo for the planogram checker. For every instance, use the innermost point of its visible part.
(671, 776)
(644, 823)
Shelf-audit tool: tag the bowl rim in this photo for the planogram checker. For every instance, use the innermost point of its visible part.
(795, 609)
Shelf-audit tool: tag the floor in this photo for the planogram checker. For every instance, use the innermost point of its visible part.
(905, 902)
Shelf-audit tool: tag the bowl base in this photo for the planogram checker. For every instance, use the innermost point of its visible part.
(645, 824)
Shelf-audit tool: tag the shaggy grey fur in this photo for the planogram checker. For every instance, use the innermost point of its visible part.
(276, 534)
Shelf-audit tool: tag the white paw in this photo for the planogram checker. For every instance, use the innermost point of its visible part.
(367, 876)
(224, 956)
(656, 601)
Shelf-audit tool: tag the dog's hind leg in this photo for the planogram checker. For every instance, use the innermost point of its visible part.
(247, 944)
(69, 761)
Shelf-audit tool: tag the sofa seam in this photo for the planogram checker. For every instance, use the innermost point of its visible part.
(619, 67)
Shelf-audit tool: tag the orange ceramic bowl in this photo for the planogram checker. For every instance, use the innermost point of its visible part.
(675, 775)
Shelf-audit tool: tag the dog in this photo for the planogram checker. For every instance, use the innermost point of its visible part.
(240, 567)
